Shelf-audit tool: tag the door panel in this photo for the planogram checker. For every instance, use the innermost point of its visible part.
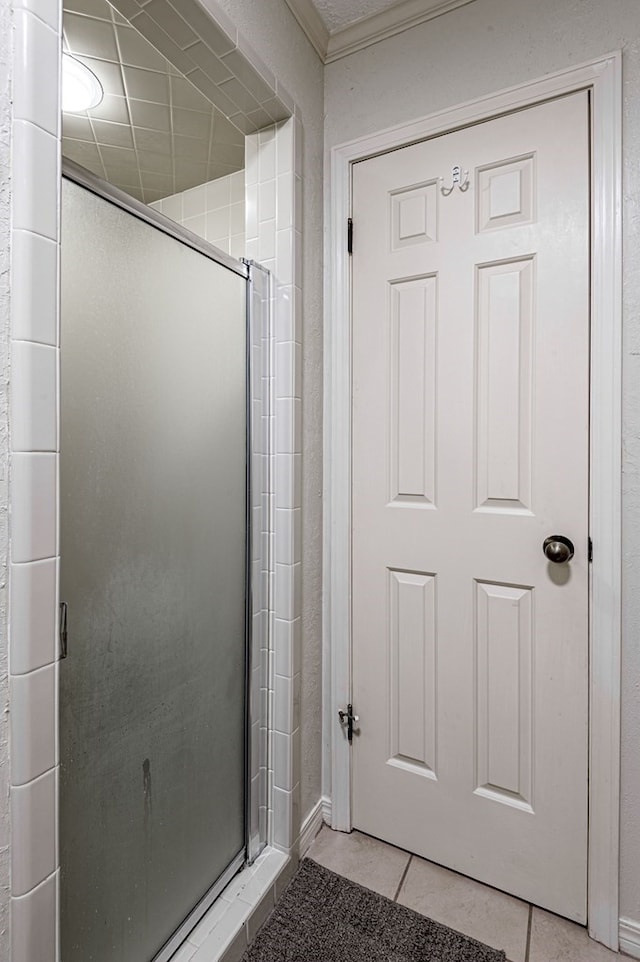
(153, 558)
(470, 447)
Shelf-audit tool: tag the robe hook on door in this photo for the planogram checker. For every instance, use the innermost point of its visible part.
(459, 179)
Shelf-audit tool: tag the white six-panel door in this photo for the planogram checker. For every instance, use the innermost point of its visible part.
(470, 447)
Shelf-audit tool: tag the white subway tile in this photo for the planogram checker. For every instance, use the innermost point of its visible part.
(33, 396)
(47, 10)
(269, 264)
(33, 924)
(267, 156)
(198, 225)
(218, 194)
(282, 761)
(260, 914)
(36, 54)
(206, 925)
(285, 201)
(222, 243)
(33, 517)
(285, 369)
(297, 370)
(288, 481)
(267, 200)
(283, 705)
(218, 223)
(251, 212)
(194, 201)
(236, 218)
(284, 257)
(172, 207)
(283, 649)
(288, 591)
(282, 818)
(33, 710)
(284, 314)
(224, 933)
(237, 187)
(288, 426)
(34, 266)
(35, 179)
(266, 240)
(288, 535)
(237, 246)
(33, 825)
(33, 616)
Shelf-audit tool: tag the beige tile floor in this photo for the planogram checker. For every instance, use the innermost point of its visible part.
(526, 933)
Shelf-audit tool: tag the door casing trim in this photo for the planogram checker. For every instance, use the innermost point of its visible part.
(603, 78)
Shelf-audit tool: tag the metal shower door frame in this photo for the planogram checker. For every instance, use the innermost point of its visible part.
(258, 481)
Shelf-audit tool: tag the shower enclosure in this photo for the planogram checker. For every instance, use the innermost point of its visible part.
(155, 580)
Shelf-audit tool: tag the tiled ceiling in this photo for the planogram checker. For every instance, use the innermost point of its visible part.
(154, 133)
(338, 14)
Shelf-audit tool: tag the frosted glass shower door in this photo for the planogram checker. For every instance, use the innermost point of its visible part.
(153, 570)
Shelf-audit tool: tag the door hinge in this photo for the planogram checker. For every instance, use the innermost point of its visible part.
(590, 550)
(350, 235)
(350, 718)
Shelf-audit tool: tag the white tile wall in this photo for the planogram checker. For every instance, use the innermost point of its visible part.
(33, 480)
(276, 164)
(215, 211)
(272, 169)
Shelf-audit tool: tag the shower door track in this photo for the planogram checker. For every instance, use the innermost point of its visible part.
(85, 178)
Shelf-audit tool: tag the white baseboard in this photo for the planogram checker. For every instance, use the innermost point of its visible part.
(311, 826)
(630, 937)
(326, 809)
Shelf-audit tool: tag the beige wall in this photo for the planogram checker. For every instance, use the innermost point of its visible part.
(271, 29)
(476, 50)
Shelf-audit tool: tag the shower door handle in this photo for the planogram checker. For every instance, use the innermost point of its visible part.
(62, 629)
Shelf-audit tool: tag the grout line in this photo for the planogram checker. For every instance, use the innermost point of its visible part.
(404, 875)
(528, 946)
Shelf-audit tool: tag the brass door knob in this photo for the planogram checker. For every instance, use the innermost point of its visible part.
(558, 549)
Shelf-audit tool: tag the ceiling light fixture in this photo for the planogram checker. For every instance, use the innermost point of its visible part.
(81, 89)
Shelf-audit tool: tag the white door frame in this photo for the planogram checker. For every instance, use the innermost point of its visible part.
(603, 77)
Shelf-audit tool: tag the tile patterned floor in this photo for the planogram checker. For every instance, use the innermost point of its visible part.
(526, 933)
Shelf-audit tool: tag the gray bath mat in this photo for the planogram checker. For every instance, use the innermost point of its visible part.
(322, 917)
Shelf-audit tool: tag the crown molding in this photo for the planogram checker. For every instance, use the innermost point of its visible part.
(378, 27)
(312, 24)
(368, 30)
